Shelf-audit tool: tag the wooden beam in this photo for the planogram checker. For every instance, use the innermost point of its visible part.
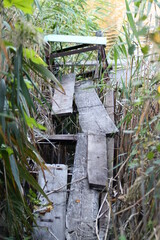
(73, 52)
(97, 161)
(93, 117)
(75, 39)
(81, 63)
(56, 138)
(62, 103)
(51, 222)
(83, 202)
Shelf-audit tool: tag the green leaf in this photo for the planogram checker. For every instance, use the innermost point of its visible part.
(26, 94)
(150, 155)
(158, 148)
(31, 122)
(15, 172)
(30, 179)
(131, 49)
(145, 49)
(25, 5)
(131, 21)
(46, 74)
(33, 56)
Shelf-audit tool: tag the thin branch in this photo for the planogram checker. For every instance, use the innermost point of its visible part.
(128, 208)
(58, 189)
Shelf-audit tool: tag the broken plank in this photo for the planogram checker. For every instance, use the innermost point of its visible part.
(93, 117)
(62, 103)
(51, 222)
(97, 161)
(83, 202)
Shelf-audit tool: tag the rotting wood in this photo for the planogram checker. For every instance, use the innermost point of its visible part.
(63, 103)
(93, 117)
(56, 138)
(82, 206)
(97, 161)
(52, 223)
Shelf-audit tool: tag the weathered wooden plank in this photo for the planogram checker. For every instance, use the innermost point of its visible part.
(56, 138)
(109, 105)
(83, 202)
(53, 223)
(97, 161)
(110, 156)
(93, 117)
(75, 39)
(62, 103)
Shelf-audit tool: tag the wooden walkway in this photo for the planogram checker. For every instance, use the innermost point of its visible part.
(75, 215)
(93, 157)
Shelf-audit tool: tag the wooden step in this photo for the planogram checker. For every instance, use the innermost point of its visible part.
(63, 103)
(83, 202)
(93, 117)
(51, 222)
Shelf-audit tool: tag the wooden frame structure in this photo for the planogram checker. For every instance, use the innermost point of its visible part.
(82, 44)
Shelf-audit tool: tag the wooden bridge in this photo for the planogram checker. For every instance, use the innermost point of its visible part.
(78, 189)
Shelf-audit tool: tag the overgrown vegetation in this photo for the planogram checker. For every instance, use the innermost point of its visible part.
(24, 75)
(134, 196)
(136, 174)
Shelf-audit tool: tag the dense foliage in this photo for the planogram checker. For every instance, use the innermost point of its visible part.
(19, 63)
(137, 167)
(23, 75)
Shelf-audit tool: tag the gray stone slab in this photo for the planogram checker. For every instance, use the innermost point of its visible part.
(51, 225)
(63, 103)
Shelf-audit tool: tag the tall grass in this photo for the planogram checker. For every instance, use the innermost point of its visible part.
(136, 178)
